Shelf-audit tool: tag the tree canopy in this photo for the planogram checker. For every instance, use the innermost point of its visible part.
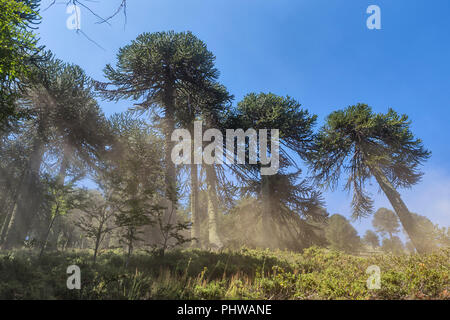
(363, 144)
(18, 50)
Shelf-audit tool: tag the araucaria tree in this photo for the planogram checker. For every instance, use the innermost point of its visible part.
(341, 235)
(132, 177)
(385, 222)
(18, 51)
(371, 239)
(155, 68)
(365, 144)
(286, 199)
(64, 123)
(209, 105)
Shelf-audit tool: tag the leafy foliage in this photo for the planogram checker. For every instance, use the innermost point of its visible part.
(355, 139)
(240, 274)
(341, 235)
(385, 222)
(371, 239)
(18, 49)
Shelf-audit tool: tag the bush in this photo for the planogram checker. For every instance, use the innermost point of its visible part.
(243, 274)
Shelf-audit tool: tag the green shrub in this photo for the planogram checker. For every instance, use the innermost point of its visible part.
(243, 274)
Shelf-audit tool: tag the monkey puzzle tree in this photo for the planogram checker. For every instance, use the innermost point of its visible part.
(209, 104)
(18, 49)
(429, 233)
(341, 235)
(393, 245)
(285, 198)
(132, 177)
(155, 68)
(13, 159)
(65, 122)
(385, 221)
(364, 144)
(371, 239)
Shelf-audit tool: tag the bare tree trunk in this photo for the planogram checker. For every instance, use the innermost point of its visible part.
(60, 180)
(8, 209)
(97, 245)
(213, 236)
(266, 237)
(44, 243)
(195, 229)
(10, 191)
(170, 172)
(130, 245)
(4, 212)
(195, 219)
(5, 223)
(400, 208)
(26, 201)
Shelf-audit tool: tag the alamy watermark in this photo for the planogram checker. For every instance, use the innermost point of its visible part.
(236, 145)
(74, 280)
(374, 20)
(374, 280)
(73, 22)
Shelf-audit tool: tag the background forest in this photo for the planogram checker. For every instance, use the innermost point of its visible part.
(215, 231)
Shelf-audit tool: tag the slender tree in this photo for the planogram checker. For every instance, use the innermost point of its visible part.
(213, 102)
(60, 200)
(133, 178)
(97, 219)
(64, 119)
(365, 144)
(14, 158)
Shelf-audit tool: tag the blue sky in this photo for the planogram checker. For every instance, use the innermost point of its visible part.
(319, 52)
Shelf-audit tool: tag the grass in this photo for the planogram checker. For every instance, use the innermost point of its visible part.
(244, 274)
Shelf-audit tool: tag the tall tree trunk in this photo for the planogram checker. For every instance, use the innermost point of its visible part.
(170, 173)
(44, 243)
(97, 245)
(107, 240)
(213, 236)
(266, 237)
(26, 201)
(400, 208)
(3, 208)
(130, 245)
(8, 207)
(6, 221)
(60, 180)
(8, 194)
(195, 219)
(195, 229)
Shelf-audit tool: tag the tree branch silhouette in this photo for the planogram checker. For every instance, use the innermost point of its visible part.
(121, 8)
